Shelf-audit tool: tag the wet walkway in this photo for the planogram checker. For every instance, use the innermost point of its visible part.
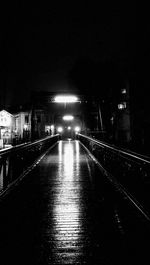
(65, 212)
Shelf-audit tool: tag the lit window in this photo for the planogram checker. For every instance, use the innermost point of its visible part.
(123, 91)
(122, 105)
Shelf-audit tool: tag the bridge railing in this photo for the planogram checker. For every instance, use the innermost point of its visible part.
(14, 161)
(130, 169)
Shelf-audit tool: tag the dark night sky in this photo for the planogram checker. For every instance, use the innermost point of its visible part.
(40, 43)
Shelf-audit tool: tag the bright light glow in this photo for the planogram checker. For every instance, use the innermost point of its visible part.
(68, 118)
(122, 105)
(25, 126)
(59, 129)
(69, 128)
(123, 91)
(52, 127)
(77, 129)
(65, 99)
(67, 213)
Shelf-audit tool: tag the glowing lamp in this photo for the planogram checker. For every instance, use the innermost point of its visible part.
(68, 118)
(123, 91)
(65, 99)
(59, 129)
(77, 129)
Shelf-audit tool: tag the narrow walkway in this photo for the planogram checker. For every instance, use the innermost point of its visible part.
(64, 213)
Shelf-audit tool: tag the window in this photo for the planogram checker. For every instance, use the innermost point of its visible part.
(122, 105)
(26, 118)
(38, 118)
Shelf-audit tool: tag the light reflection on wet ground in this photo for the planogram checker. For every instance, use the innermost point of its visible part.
(68, 216)
(64, 213)
(67, 211)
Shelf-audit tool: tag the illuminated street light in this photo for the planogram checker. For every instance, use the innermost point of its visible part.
(69, 128)
(65, 99)
(77, 129)
(59, 129)
(68, 118)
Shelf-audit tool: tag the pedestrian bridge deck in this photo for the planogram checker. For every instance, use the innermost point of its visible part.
(65, 212)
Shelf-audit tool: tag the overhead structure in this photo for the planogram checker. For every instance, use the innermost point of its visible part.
(65, 99)
(68, 118)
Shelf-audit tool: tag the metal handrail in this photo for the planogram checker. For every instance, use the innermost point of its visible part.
(130, 154)
(25, 145)
(120, 169)
(15, 161)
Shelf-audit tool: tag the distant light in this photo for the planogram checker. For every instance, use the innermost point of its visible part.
(123, 91)
(52, 127)
(59, 129)
(77, 129)
(65, 99)
(69, 128)
(25, 126)
(122, 105)
(68, 118)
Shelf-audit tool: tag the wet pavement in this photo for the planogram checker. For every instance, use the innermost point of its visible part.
(65, 212)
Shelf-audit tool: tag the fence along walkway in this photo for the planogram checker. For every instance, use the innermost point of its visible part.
(64, 212)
